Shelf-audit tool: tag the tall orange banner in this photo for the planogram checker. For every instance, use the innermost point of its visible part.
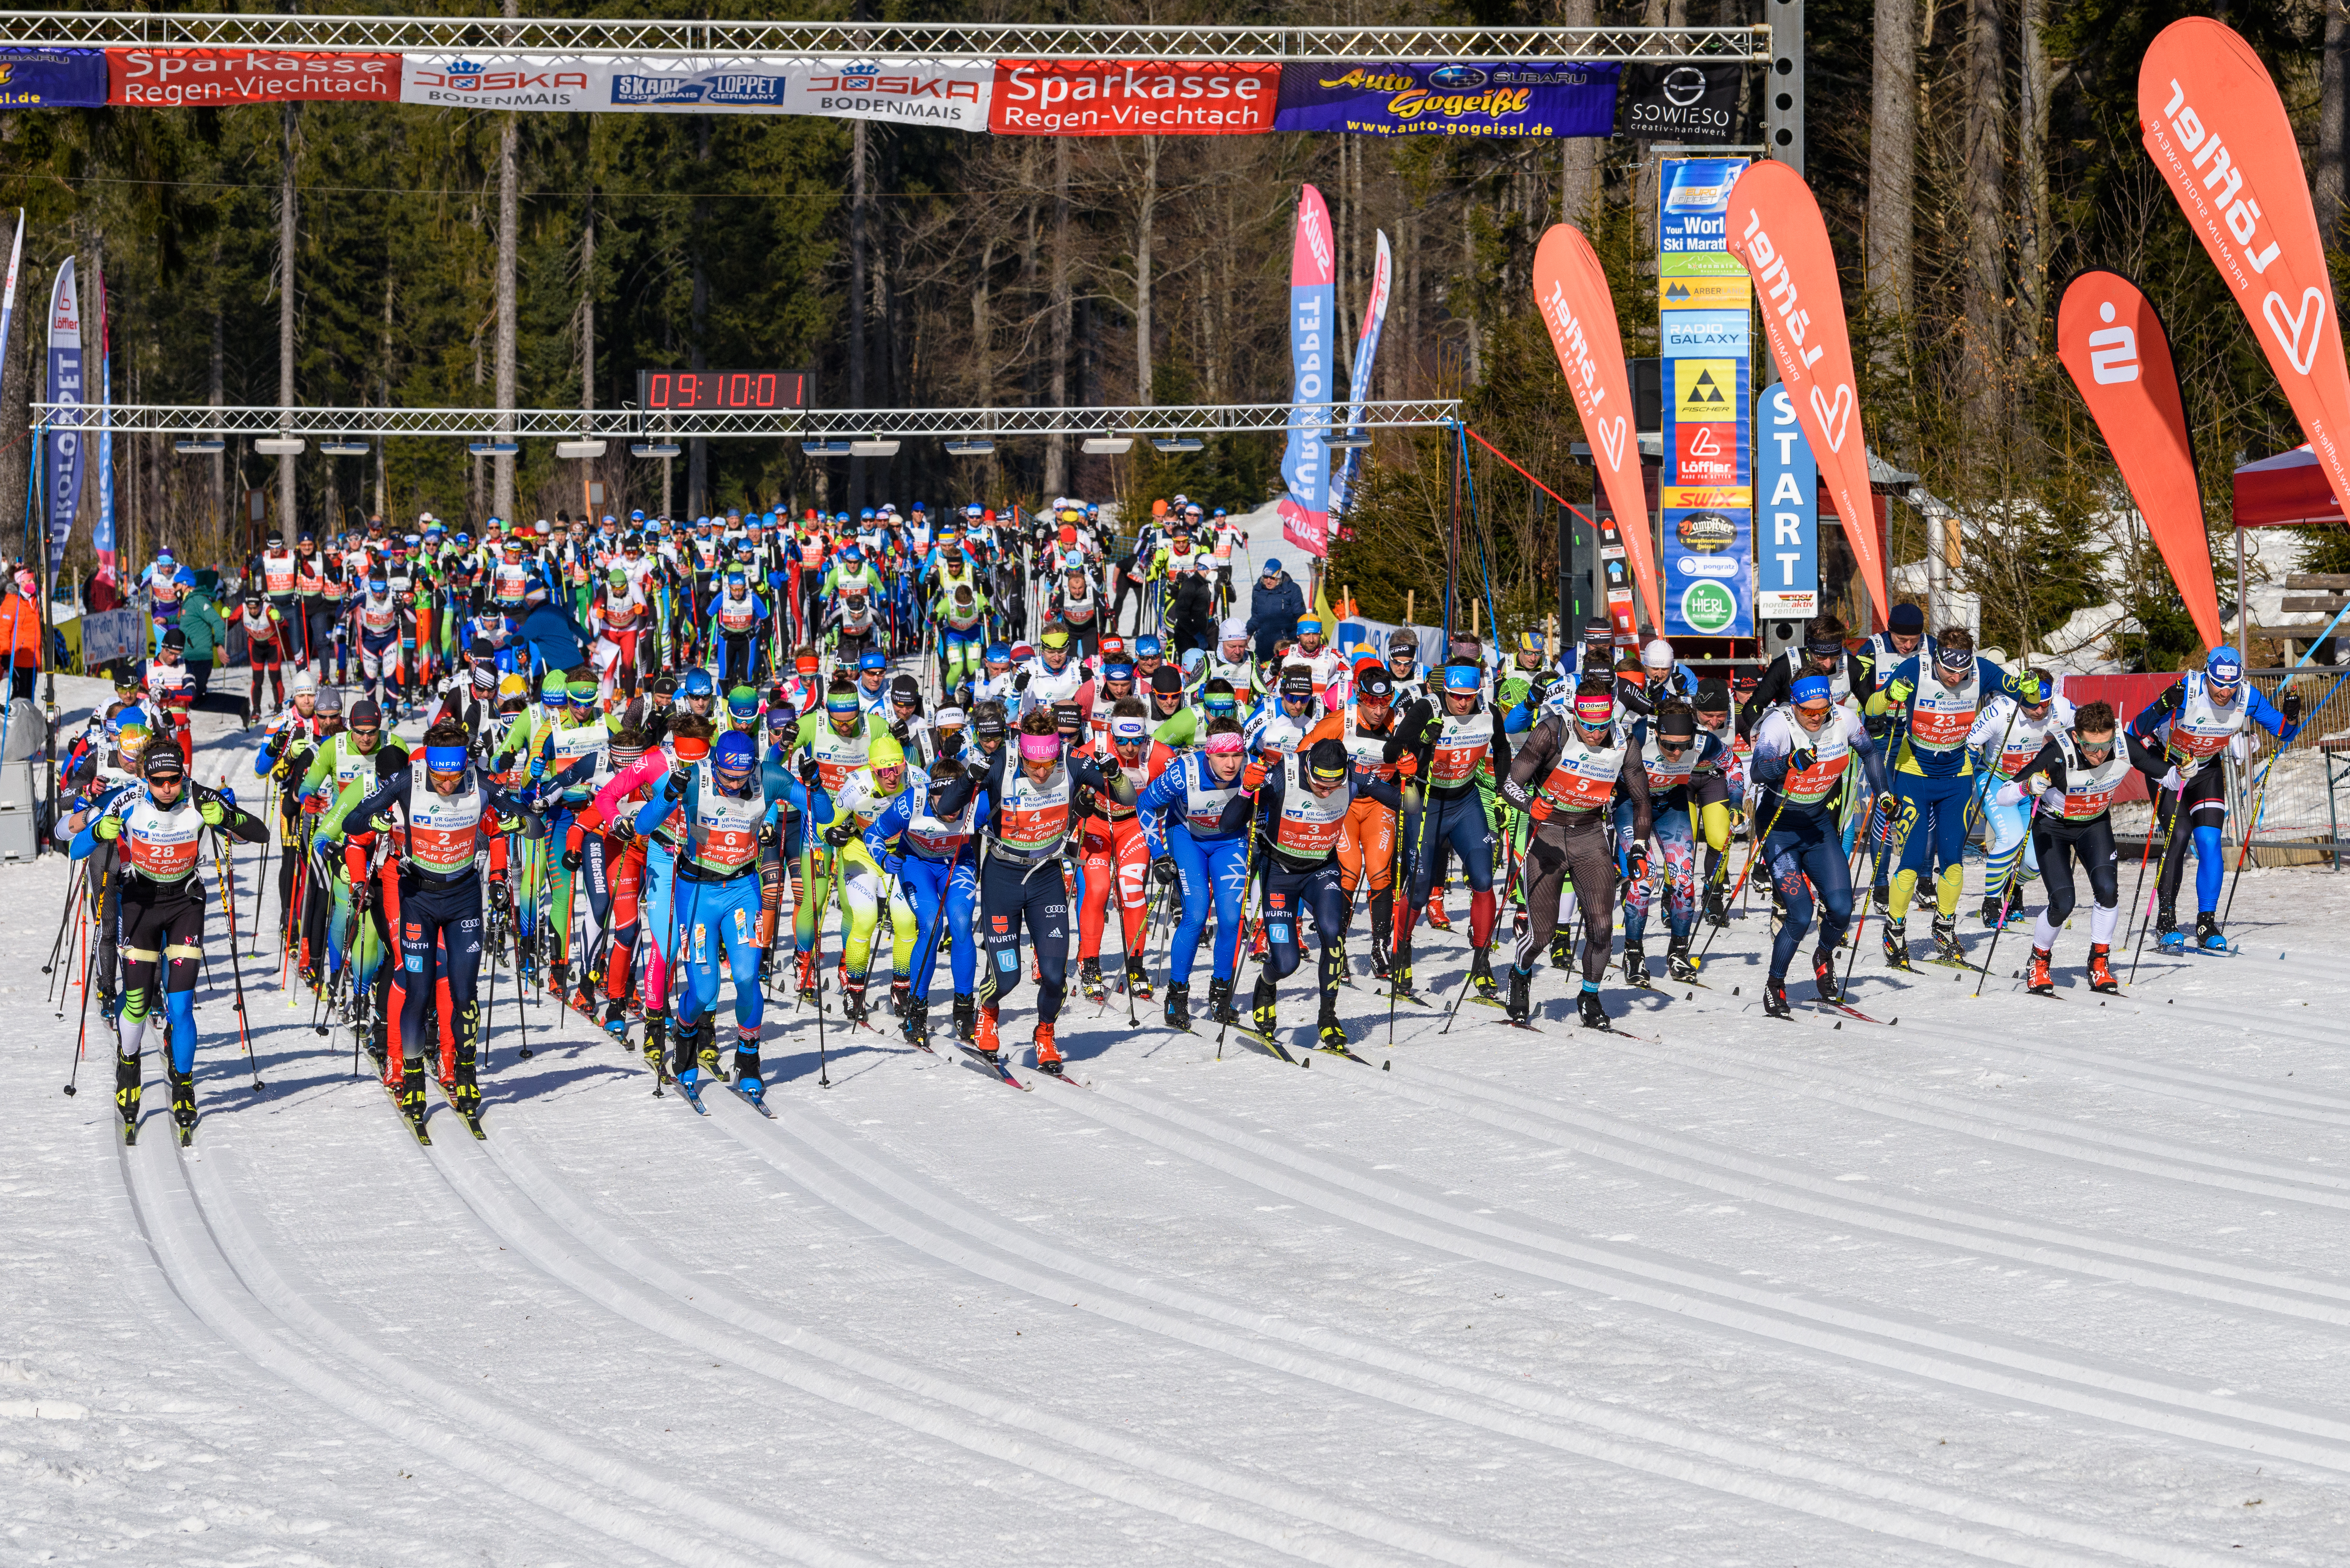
(2213, 124)
(1776, 229)
(2114, 348)
(1571, 291)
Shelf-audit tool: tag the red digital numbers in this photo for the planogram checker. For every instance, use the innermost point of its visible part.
(713, 390)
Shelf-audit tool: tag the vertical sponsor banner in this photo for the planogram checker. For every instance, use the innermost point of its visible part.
(1313, 320)
(1704, 305)
(1571, 291)
(1786, 514)
(102, 534)
(2214, 125)
(65, 386)
(1367, 347)
(2115, 349)
(1776, 229)
(8, 288)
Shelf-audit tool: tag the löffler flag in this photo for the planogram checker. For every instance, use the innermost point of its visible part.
(1776, 229)
(2214, 125)
(2114, 347)
(1571, 292)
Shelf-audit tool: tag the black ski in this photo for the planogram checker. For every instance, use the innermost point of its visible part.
(1263, 1043)
(1845, 1008)
(472, 1121)
(992, 1066)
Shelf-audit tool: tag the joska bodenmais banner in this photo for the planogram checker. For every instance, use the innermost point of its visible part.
(1571, 291)
(1776, 229)
(1312, 335)
(2214, 125)
(2115, 349)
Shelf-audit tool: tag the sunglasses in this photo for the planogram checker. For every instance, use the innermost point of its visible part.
(367, 729)
(1810, 711)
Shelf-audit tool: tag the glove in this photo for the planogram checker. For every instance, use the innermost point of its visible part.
(362, 895)
(1251, 775)
(1539, 808)
(110, 826)
(1163, 867)
(1544, 685)
(674, 787)
(225, 794)
(2051, 801)
(210, 809)
(2173, 781)
(811, 774)
(574, 858)
(839, 833)
(1639, 862)
(2290, 708)
(1799, 761)
(1020, 682)
(537, 767)
(1407, 766)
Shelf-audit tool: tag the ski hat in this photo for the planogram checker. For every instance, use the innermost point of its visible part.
(1955, 657)
(696, 682)
(1712, 693)
(2224, 668)
(303, 681)
(365, 711)
(742, 702)
(988, 721)
(1657, 655)
(553, 686)
(1067, 716)
(885, 752)
(1234, 629)
(733, 752)
(874, 661)
(1403, 640)
(1375, 684)
(331, 700)
(1906, 620)
(1327, 760)
(997, 654)
(162, 763)
(1811, 689)
(1166, 682)
(1146, 647)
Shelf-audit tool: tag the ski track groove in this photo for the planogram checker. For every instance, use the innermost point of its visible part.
(1713, 1169)
(937, 1224)
(233, 1290)
(1056, 1447)
(2124, 1396)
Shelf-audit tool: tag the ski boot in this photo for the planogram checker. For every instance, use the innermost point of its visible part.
(615, 1021)
(748, 1081)
(705, 1046)
(807, 978)
(1048, 1055)
(984, 1041)
(126, 1093)
(1329, 1035)
(465, 1093)
(1823, 975)
(1677, 962)
(1178, 1005)
(1481, 978)
(656, 1043)
(1946, 940)
(901, 996)
(966, 1014)
(1717, 907)
(2168, 937)
(914, 1021)
(1219, 1001)
(852, 1001)
(1896, 945)
(2207, 933)
(1522, 985)
(1400, 984)
(1590, 1011)
(1774, 999)
(110, 1006)
(1382, 964)
(411, 1093)
(1262, 1015)
(379, 1042)
(1635, 964)
(1994, 913)
(1090, 981)
(2037, 977)
(184, 1101)
(2101, 974)
(1437, 917)
(1562, 949)
(1137, 981)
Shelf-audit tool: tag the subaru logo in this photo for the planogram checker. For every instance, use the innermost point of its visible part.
(1461, 77)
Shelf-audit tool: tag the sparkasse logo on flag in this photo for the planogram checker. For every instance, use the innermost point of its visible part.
(1133, 98)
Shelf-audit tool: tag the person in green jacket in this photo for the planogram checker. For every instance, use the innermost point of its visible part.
(207, 633)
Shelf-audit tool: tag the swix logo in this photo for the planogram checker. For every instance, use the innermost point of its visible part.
(2112, 350)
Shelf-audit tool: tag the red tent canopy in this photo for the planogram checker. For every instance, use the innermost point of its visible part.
(2285, 489)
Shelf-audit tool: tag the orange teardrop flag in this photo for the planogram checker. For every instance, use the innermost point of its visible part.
(2114, 347)
(1776, 229)
(2214, 125)
(1571, 291)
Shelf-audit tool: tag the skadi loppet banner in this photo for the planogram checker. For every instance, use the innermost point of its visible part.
(1313, 336)
(1571, 291)
(66, 386)
(2214, 125)
(2114, 348)
(1776, 229)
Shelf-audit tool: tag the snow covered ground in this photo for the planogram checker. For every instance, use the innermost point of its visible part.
(2013, 1280)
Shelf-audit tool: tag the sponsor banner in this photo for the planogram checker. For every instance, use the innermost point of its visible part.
(101, 531)
(65, 386)
(1133, 98)
(2215, 128)
(1681, 102)
(2115, 349)
(112, 636)
(951, 94)
(1731, 291)
(1692, 199)
(1787, 485)
(52, 79)
(1313, 358)
(1716, 496)
(1579, 312)
(1776, 229)
(173, 78)
(1706, 577)
(1367, 347)
(1496, 98)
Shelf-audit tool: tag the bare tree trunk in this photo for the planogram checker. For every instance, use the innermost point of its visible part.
(983, 328)
(1985, 173)
(1468, 305)
(288, 223)
(1579, 171)
(697, 449)
(1892, 156)
(588, 313)
(2327, 185)
(1146, 210)
(509, 245)
(1056, 447)
(2031, 239)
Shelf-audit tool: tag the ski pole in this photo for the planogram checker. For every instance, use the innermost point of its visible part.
(65, 916)
(82, 935)
(1240, 925)
(816, 937)
(2244, 850)
(1509, 890)
(83, 1036)
(1754, 853)
(227, 870)
(2145, 917)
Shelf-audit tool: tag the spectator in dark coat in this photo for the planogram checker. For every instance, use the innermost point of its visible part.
(1274, 609)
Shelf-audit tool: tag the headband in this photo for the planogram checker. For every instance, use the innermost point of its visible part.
(840, 703)
(1039, 748)
(1594, 707)
(444, 759)
(1128, 729)
(1954, 658)
(689, 749)
(1224, 744)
